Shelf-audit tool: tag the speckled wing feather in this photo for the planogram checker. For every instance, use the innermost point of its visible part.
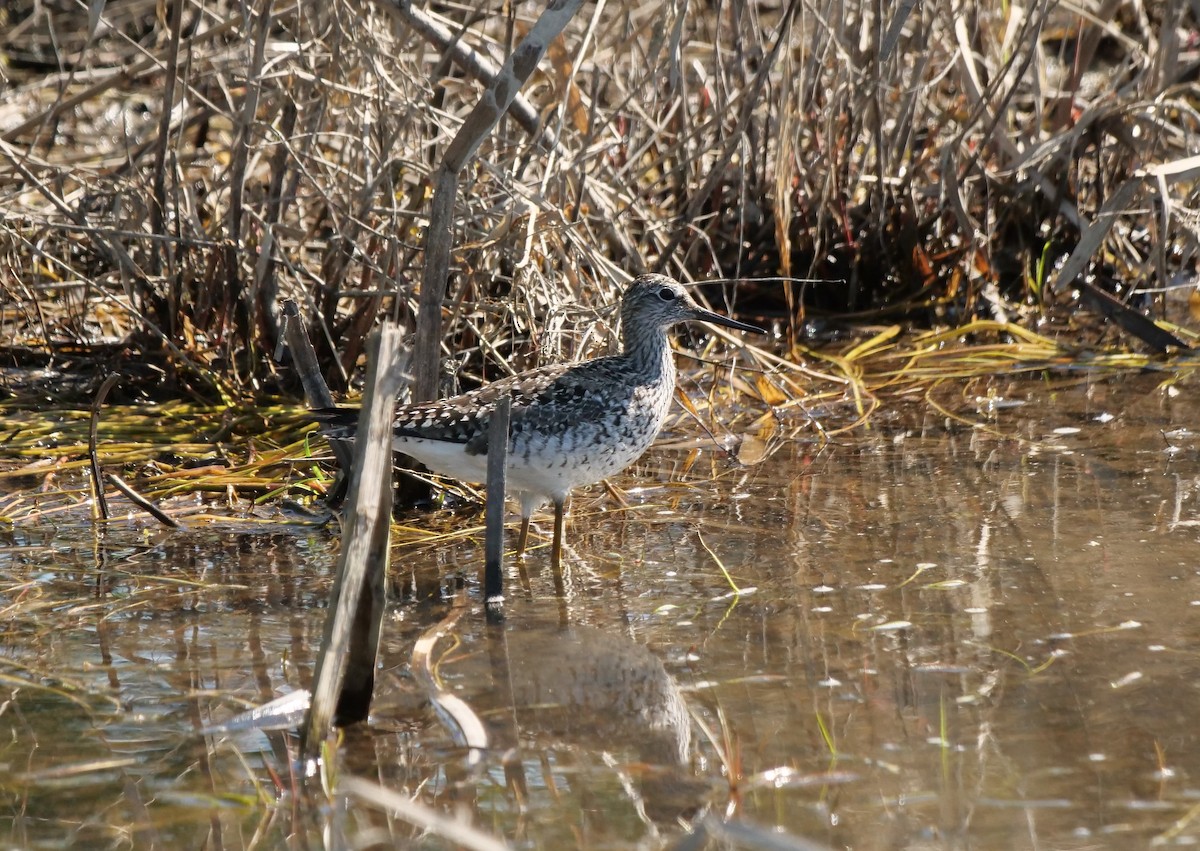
(545, 400)
(464, 419)
(459, 419)
(557, 399)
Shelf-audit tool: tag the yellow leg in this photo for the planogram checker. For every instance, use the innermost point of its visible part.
(556, 548)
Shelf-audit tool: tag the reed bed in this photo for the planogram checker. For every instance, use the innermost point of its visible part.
(907, 200)
(171, 172)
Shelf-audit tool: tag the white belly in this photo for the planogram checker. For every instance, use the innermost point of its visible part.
(547, 467)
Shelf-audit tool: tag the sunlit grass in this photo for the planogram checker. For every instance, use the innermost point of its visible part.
(263, 454)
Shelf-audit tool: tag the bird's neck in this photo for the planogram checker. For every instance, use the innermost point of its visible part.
(649, 352)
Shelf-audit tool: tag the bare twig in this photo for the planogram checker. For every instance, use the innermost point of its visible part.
(245, 309)
(158, 205)
(316, 391)
(497, 457)
(141, 501)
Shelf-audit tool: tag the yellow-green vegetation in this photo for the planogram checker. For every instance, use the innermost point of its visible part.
(255, 453)
(232, 453)
(905, 194)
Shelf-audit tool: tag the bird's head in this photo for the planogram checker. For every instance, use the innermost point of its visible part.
(656, 302)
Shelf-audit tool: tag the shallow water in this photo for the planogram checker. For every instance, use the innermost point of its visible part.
(950, 636)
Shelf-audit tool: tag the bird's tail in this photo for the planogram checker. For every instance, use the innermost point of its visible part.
(336, 423)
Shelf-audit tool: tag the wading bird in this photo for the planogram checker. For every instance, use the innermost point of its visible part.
(572, 424)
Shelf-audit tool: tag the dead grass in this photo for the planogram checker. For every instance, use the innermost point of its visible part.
(168, 181)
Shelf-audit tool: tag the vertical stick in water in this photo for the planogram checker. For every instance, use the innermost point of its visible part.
(345, 674)
(97, 483)
(497, 457)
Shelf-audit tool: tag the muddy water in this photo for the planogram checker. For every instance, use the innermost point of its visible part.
(950, 635)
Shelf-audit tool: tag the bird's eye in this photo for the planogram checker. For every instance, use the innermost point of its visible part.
(668, 294)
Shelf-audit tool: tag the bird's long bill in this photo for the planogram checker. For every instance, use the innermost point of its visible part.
(702, 315)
